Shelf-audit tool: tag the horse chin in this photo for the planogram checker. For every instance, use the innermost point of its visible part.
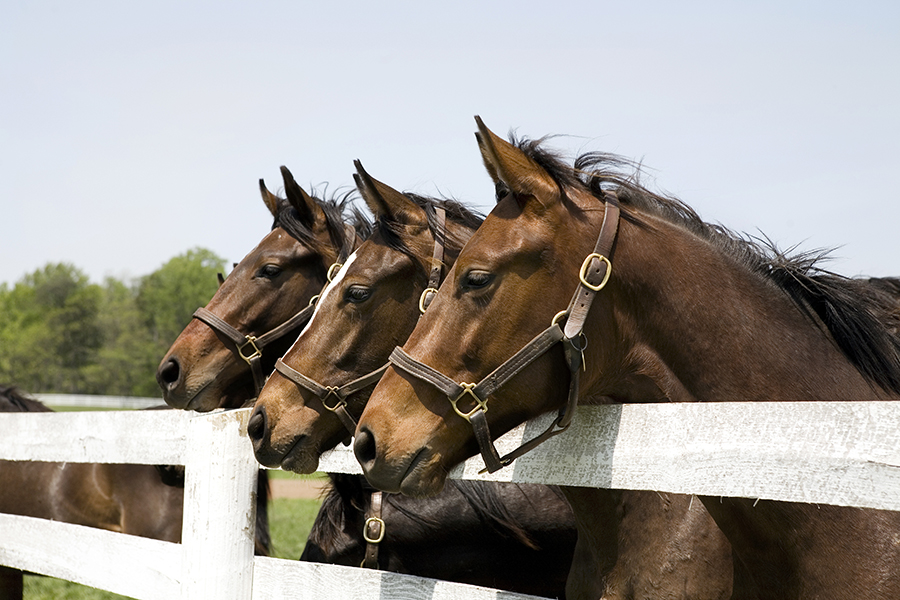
(300, 458)
(425, 476)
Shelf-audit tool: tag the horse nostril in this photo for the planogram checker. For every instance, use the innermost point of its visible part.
(168, 374)
(364, 448)
(257, 425)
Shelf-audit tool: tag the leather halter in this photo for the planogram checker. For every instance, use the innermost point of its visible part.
(593, 276)
(250, 347)
(373, 531)
(341, 392)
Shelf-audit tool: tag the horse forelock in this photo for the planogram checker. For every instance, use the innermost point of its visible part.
(397, 236)
(338, 209)
(861, 316)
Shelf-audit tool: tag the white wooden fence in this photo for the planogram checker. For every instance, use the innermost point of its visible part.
(830, 453)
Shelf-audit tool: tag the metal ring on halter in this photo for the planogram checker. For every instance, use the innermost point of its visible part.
(313, 300)
(582, 275)
(424, 301)
(558, 316)
(251, 341)
(332, 271)
(479, 403)
(332, 390)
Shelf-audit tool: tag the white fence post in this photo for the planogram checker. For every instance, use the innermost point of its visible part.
(219, 509)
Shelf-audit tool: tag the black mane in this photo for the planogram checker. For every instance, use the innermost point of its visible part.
(14, 400)
(338, 209)
(349, 494)
(862, 315)
(396, 235)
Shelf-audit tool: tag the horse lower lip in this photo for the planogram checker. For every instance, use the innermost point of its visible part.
(414, 465)
(293, 459)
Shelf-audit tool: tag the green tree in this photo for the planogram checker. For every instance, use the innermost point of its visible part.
(49, 329)
(169, 296)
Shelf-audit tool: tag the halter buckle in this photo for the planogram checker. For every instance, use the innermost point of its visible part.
(426, 298)
(582, 275)
(479, 403)
(381, 528)
(251, 341)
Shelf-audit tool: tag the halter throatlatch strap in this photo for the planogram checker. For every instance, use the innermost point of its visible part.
(249, 347)
(373, 531)
(437, 260)
(593, 276)
(340, 393)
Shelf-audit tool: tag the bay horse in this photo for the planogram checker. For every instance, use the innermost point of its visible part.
(222, 357)
(126, 498)
(518, 538)
(667, 308)
(200, 355)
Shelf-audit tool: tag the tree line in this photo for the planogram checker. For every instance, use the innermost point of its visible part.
(60, 333)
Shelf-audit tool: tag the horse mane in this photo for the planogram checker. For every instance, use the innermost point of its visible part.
(397, 237)
(12, 399)
(861, 315)
(351, 493)
(338, 209)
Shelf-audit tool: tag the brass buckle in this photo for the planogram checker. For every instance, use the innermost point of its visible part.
(479, 403)
(251, 341)
(332, 390)
(424, 301)
(582, 275)
(381, 529)
(332, 271)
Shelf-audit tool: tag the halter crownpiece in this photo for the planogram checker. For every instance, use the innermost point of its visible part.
(593, 276)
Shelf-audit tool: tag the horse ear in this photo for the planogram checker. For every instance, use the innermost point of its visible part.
(272, 201)
(507, 164)
(385, 201)
(307, 208)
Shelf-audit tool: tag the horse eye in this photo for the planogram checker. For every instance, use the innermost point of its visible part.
(269, 271)
(356, 294)
(478, 279)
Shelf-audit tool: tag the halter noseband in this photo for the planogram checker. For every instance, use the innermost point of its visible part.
(342, 392)
(250, 347)
(593, 276)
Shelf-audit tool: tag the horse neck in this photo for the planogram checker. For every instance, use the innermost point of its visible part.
(698, 325)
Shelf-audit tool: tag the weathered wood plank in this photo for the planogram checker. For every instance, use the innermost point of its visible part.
(219, 508)
(132, 566)
(143, 437)
(276, 579)
(841, 453)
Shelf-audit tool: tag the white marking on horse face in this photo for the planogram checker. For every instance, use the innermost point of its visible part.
(330, 286)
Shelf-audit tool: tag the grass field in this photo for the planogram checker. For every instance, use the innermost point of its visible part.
(289, 520)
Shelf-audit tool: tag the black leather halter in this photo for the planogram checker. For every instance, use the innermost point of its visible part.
(593, 276)
(249, 347)
(342, 392)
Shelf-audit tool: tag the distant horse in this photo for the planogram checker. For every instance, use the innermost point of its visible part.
(505, 536)
(125, 498)
(666, 308)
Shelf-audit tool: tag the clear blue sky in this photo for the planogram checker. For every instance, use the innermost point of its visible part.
(131, 132)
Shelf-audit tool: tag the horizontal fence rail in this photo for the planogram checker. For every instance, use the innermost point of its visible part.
(841, 453)
(95, 401)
